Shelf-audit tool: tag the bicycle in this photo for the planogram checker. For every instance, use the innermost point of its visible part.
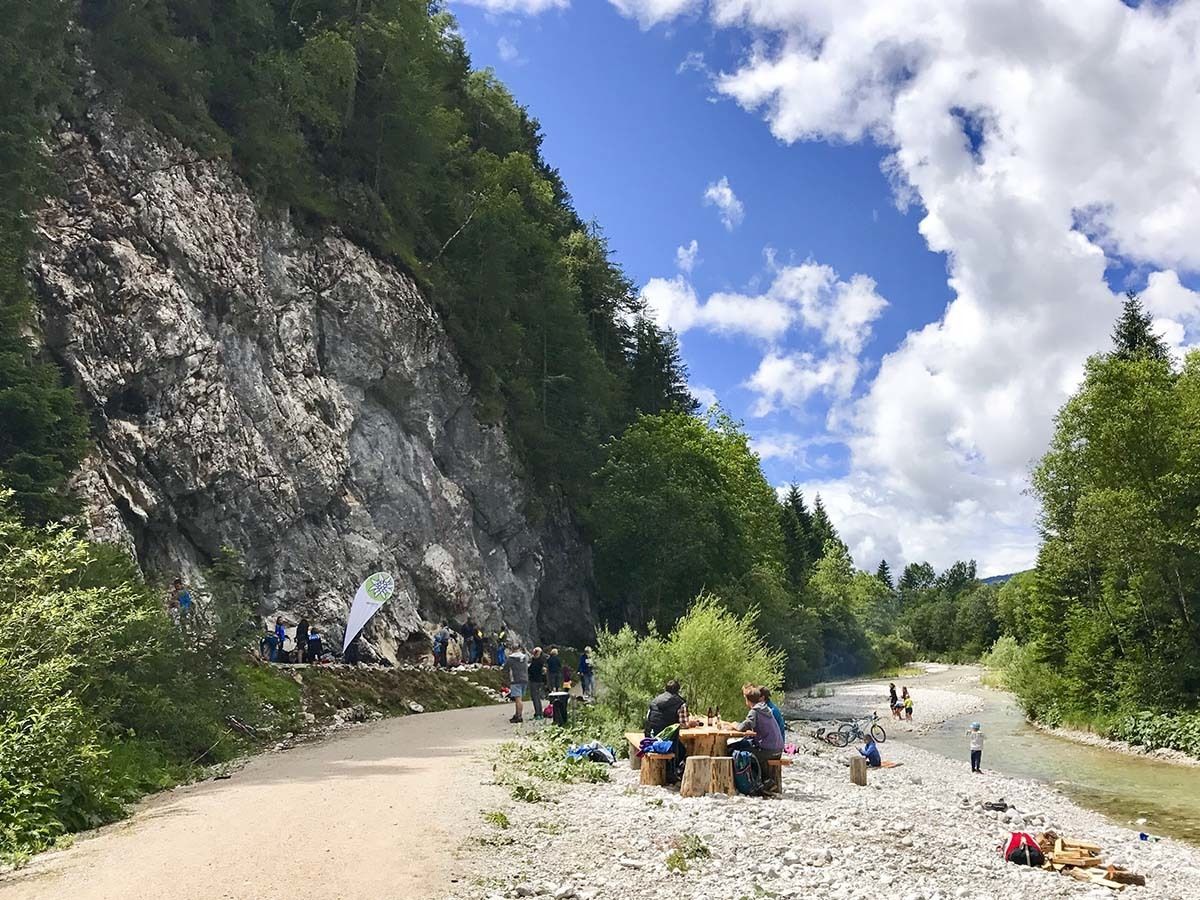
(834, 737)
(853, 730)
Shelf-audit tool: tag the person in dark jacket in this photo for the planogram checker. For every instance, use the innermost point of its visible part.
(554, 670)
(537, 682)
(664, 709)
(586, 673)
(667, 709)
(313, 646)
(870, 750)
(302, 641)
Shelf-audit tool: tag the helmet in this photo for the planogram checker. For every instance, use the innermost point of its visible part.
(974, 726)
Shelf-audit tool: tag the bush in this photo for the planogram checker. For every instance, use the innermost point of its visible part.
(1158, 731)
(711, 652)
(103, 698)
(891, 651)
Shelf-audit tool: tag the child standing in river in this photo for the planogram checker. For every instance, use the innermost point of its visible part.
(975, 733)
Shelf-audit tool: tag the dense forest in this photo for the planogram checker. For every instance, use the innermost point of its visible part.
(1105, 631)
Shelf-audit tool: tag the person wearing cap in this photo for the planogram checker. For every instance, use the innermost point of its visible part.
(975, 733)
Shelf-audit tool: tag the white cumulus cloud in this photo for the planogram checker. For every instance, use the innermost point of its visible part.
(649, 13)
(729, 207)
(687, 256)
(1037, 141)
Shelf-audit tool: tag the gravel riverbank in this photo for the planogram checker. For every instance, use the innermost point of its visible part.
(917, 832)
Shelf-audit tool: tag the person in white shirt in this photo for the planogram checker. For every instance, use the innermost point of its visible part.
(976, 736)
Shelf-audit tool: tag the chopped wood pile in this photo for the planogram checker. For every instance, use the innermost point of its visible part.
(1081, 861)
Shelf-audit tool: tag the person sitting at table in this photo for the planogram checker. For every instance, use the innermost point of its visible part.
(776, 713)
(666, 710)
(767, 742)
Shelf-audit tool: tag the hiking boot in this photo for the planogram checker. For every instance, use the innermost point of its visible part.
(516, 719)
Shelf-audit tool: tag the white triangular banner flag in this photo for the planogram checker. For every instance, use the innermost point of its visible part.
(375, 592)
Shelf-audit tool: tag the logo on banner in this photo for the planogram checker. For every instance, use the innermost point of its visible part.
(380, 587)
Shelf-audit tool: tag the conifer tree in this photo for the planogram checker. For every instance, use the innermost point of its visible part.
(884, 574)
(823, 531)
(1133, 334)
(657, 374)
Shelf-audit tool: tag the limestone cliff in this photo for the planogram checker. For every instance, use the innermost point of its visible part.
(287, 394)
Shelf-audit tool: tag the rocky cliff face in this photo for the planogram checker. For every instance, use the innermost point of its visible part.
(287, 395)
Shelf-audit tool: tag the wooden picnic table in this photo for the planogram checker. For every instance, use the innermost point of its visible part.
(710, 740)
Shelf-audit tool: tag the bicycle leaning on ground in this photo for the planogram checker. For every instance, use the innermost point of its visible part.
(854, 730)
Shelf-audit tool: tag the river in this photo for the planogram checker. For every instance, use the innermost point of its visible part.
(1124, 787)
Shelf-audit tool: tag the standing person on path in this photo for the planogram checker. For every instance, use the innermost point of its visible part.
(586, 675)
(516, 666)
(441, 639)
(468, 640)
(280, 637)
(313, 645)
(893, 700)
(302, 640)
(537, 682)
(501, 638)
(554, 670)
(975, 733)
(908, 706)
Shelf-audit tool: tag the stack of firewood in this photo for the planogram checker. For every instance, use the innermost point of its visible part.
(1081, 860)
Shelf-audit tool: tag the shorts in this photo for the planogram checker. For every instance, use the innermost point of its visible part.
(516, 691)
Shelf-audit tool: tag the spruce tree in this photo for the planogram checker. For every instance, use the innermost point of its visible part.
(884, 574)
(657, 373)
(822, 528)
(796, 525)
(1133, 333)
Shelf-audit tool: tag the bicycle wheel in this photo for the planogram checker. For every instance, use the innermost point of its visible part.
(878, 733)
(848, 733)
(836, 739)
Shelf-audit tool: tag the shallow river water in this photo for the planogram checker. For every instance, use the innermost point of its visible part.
(1124, 787)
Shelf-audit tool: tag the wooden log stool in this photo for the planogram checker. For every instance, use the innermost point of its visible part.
(858, 770)
(635, 743)
(697, 776)
(654, 768)
(722, 776)
(774, 774)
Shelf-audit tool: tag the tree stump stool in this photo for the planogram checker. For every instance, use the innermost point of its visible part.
(774, 774)
(654, 768)
(697, 776)
(858, 770)
(722, 776)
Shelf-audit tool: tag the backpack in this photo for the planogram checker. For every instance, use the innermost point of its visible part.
(1023, 850)
(747, 773)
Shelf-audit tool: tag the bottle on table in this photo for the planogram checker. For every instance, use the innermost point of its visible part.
(708, 717)
(717, 715)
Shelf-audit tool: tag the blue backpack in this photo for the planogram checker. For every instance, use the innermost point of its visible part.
(747, 773)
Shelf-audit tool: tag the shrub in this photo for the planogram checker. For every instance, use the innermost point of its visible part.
(102, 698)
(711, 651)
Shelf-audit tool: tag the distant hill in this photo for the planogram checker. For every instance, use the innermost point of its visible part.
(999, 579)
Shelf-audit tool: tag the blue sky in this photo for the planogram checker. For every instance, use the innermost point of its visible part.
(638, 134)
(906, 364)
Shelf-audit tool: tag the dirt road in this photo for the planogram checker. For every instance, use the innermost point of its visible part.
(377, 812)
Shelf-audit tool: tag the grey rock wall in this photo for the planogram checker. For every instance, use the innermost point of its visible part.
(288, 395)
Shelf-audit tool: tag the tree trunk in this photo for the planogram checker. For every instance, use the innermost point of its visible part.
(722, 776)
(654, 770)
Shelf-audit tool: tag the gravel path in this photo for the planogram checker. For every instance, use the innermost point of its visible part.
(378, 811)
